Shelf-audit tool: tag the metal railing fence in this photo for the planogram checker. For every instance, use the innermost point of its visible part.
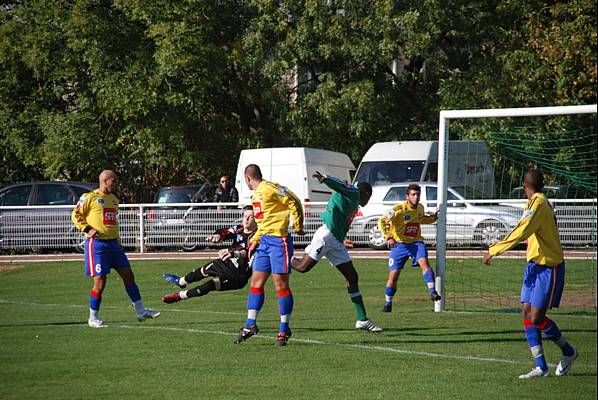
(155, 227)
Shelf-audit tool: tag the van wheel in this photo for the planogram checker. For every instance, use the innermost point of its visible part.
(376, 238)
(489, 231)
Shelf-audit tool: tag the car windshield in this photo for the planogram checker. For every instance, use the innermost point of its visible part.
(386, 172)
(176, 195)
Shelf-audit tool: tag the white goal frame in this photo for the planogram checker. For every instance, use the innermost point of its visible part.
(443, 135)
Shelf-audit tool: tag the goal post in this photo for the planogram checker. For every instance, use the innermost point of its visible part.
(443, 169)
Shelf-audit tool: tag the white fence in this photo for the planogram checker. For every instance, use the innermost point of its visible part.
(149, 227)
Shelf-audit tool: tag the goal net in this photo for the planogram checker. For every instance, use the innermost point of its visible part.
(482, 157)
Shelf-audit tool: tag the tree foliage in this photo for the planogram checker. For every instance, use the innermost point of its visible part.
(170, 92)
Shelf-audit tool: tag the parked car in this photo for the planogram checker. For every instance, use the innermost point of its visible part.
(19, 226)
(466, 223)
(182, 225)
(44, 193)
(552, 192)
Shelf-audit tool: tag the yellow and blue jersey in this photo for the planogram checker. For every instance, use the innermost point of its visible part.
(273, 205)
(99, 211)
(538, 226)
(402, 223)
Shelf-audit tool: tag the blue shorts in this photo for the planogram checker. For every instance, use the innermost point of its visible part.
(102, 255)
(402, 251)
(543, 286)
(273, 255)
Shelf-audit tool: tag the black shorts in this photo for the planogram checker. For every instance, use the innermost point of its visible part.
(232, 277)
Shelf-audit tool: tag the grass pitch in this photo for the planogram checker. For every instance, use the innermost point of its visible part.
(48, 352)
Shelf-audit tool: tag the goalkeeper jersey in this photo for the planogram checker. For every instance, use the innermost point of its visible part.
(341, 207)
(538, 226)
(402, 223)
(273, 205)
(99, 211)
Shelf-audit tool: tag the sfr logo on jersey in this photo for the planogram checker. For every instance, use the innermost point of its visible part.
(109, 216)
(411, 229)
(257, 210)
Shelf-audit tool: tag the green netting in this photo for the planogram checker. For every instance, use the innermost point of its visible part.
(564, 148)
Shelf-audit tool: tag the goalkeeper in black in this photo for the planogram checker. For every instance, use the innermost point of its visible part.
(231, 271)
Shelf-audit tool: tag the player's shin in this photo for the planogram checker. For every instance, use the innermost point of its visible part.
(255, 301)
(552, 332)
(357, 301)
(95, 300)
(534, 340)
(285, 304)
(201, 290)
(135, 296)
(429, 280)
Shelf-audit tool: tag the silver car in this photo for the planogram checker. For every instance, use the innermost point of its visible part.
(466, 223)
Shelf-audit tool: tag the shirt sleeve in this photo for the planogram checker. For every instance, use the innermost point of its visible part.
(339, 186)
(79, 214)
(384, 223)
(292, 201)
(526, 226)
(428, 219)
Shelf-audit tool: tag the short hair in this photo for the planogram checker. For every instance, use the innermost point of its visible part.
(247, 208)
(413, 186)
(534, 178)
(253, 171)
(365, 188)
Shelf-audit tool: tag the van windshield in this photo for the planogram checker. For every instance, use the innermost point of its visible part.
(386, 172)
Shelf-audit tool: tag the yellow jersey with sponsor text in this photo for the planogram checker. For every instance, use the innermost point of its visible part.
(99, 211)
(538, 226)
(273, 205)
(402, 223)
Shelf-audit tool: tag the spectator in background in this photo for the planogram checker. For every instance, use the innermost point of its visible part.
(225, 192)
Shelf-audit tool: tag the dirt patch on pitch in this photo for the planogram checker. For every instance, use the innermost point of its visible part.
(9, 267)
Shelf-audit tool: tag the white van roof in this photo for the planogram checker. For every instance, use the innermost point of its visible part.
(419, 149)
(400, 151)
(290, 155)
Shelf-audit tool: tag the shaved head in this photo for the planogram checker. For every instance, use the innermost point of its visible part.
(253, 176)
(107, 181)
(253, 171)
(107, 173)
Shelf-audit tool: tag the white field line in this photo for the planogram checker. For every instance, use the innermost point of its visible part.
(308, 341)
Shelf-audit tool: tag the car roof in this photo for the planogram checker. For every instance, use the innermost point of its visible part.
(71, 183)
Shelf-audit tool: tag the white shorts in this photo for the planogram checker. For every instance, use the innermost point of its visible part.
(324, 244)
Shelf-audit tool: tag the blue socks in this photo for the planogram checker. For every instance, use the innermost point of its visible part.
(255, 301)
(285, 303)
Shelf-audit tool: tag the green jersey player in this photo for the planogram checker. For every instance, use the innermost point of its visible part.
(329, 240)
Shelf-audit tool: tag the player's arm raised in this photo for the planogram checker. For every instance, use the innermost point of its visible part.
(336, 184)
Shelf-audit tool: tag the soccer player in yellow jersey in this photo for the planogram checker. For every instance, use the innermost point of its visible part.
(544, 276)
(401, 228)
(272, 250)
(96, 214)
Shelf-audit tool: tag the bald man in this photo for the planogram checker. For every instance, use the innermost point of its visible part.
(96, 214)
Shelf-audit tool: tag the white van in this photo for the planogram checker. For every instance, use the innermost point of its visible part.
(470, 167)
(293, 168)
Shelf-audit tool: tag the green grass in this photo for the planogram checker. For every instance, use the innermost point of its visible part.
(48, 352)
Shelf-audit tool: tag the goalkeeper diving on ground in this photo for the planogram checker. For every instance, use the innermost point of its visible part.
(231, 271)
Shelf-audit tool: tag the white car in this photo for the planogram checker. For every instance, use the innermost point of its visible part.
(466, 223)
